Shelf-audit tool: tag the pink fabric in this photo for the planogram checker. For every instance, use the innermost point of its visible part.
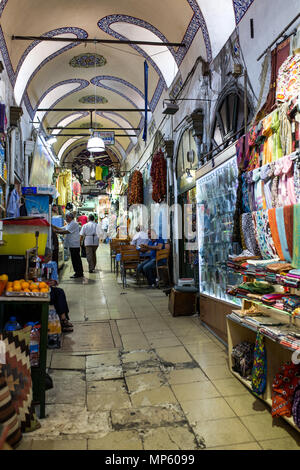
(288, 192)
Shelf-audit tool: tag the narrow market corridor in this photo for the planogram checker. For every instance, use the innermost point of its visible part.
(132, 377)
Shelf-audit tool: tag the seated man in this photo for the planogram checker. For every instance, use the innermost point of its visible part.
(57, 295)
(140, 237)
(148, 267)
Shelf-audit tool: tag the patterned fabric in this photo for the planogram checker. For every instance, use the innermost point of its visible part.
(274, 232)
(249, 234)
(277, 149)
(297, 180)
(259, 371)
(296, 237)
(17, 372)
(8, 415)
(258, 194)
(287, 182)
(288, 214)
(288, 80)
(268, 134)
(277, 198)
(245, 194)
(251, 198)
(285, 129)
(282, 235)
(263, 234)
(254, 148)
(283, 389)
(266, 174)
(296, 407)
(239, 146)
(242, 356)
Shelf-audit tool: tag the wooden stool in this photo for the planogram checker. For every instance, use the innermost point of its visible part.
(183, 301)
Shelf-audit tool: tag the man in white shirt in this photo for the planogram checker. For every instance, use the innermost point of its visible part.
(140, 238)
(91, 242)
(72, 241)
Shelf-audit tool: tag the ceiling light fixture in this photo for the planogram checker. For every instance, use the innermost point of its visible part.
(95, 143)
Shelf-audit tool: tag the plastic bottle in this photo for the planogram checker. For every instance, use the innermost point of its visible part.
(12, 325)
(34, 347)
(54, 330)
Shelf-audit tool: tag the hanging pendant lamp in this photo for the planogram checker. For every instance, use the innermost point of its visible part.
(95, 143)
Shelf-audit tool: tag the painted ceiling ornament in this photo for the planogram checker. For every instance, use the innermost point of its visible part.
(88, 61)
(87, 125)
(92, 99)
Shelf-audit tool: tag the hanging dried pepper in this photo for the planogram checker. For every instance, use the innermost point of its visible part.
(135, 188)
(159, 176)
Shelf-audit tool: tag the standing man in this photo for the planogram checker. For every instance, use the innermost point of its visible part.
(82, 219)
(104, 226)
(91, 242)
(72, 241)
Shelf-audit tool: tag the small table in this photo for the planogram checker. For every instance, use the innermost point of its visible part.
(38, 373)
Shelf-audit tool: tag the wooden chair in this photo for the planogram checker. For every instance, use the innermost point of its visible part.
(114, 243)
(130, 259)
(162, 271)
(118, 242)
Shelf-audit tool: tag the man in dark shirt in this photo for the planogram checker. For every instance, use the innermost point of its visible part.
(148, 267)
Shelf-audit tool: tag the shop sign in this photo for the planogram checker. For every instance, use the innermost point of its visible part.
(29, 190)
(108, 138)
(47, 190)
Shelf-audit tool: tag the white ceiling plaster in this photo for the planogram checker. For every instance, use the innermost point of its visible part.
(65, 122)
(161, 56)
(220, 21)
(52, 97)
(66, 145)
(32, 61)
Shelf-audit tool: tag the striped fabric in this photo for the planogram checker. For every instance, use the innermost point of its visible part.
(8, 415)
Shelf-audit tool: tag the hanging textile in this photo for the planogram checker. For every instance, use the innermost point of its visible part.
(288, 81)
(282, 235)
(13, 205)
(98, 173)
(296, 237)
(259, 371)
(274, 232)
(283, 389)
(86, 173)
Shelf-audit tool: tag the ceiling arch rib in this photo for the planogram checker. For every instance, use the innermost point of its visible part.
(55, 94)
(67, 121)
(38, 54)
(131, 28)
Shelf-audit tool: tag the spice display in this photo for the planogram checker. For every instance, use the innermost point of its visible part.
(159, 176)
(135, 191)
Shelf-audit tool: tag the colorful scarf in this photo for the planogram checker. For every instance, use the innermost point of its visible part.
(296, 407)
(288, 214)
(274, 232)
(263, 234)
(259, 371)
(282, 235)
(296, 237)
(249, 234)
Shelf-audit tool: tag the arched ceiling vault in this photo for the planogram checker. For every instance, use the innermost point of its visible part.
(73, 75)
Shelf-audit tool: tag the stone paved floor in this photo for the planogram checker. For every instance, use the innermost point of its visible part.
(132, 377)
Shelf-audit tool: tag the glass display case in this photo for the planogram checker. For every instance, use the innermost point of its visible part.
(216, 201)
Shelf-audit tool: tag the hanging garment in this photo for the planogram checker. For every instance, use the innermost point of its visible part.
(263, 234)
(245, 194)
(258, 194)
(296, 237)
(283, 388)
(236, 231)
(254, 148)
(2, 118)
(62, 198)
(297, 179)
(288, 80)
(240, 150)
(251, 198)
(105, 171)
(285, 129)
(268, 134)
(288, 214)
(275, 126)
(276, 188)
(259, 371)
(282, 235)
(286, 183)
(249, 234)
(98, 173)
(13, 206)
(274, 232)
(266, 175)
(296, 407)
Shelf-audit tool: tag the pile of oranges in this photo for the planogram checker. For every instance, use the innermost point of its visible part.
(27, 286)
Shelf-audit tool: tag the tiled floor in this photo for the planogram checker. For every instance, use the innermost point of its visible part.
(133, 377)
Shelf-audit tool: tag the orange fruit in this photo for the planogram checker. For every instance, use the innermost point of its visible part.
(17, 288)
(25, 285)
(9, 289)
(43, 285)
(4, 277)
(26, 290)
(44, 290)
(35, 290)
(34, 286)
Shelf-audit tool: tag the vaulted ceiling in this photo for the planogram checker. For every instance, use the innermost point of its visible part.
(70, 75)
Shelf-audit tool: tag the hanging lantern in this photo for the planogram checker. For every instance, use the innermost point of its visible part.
(95, 143)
